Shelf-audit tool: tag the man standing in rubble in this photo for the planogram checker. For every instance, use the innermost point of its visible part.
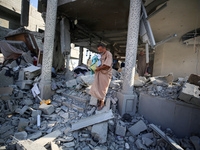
(103, 75)
(141, 65)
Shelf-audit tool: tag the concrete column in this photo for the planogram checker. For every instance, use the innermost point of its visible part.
(80, 55)
(127, 99)
(45, 83)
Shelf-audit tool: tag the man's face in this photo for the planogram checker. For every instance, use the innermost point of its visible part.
(101, 49)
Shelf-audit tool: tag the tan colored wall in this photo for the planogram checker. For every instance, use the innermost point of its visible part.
(174, 56)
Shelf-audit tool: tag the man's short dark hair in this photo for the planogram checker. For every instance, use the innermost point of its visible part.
(101, 45)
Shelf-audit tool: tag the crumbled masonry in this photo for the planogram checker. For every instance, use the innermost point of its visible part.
(71, 105)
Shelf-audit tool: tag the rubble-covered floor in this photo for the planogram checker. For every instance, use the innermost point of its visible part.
(71, 120)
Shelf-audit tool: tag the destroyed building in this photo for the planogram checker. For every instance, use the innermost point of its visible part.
(45, 105)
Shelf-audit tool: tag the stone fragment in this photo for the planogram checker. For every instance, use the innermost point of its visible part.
(65, 115)
(140, 145)
(27, 101)
(195, 141)
(138, 127)
(148, 135)
(91, 111)
(21, 135)
(127, 146)
(99, 132)
(147, 141)
(87, 80)
(100, 148)
(47, 109)
(93, 101)
(23, 123)
(70, 144)
(131, 139)
(34, 135)
(71, 83)
(120, 129)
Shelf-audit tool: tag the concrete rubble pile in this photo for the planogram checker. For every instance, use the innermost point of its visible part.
(71, 120)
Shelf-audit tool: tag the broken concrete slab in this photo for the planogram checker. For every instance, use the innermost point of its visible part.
(21, 135)
(138, 127)
(188, 92)
(69, 144)
(88, 79)
(148, 135)
(29, 145)
(99, 132)
(47, 109)
(32, 71)
(147, 141)
(92, 120)
(48, 138)
(120, 129)
(140, 145)
(34, 135)
(71, 83)
(165, 137)
(24, 84)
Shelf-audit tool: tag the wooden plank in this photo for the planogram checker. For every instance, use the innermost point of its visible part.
(92, 120)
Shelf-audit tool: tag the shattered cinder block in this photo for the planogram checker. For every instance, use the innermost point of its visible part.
(99, 132)
(47, 109)
(21, 135)
(190, 93)
(138, 127)
(23, 123)
(120, 129)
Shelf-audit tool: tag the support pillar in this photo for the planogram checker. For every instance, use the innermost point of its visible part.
(80, 55)
(45, 83)
(65, 40)
(128, 99)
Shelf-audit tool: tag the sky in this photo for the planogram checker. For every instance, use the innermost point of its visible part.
(34, 3)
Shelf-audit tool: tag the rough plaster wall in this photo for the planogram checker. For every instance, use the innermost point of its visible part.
(173, 55)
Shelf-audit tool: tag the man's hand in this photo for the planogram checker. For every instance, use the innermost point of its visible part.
(97, 69)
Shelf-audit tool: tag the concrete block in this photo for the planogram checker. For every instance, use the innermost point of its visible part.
(23, 123)
(47, 109)
(120, 129)
(32, 71)
(147, 141)
(127, 103)
(99, 132)
(71, 83)
(21, 135)
(24, 84)
(48, 138)
(88, 79)
(29, 145)
(34, 135)
(69, 144)
(188, 92)
(140, 145)
(5, 80)
(147, 135)
(138, 127)
(93, 101)
(92, 120)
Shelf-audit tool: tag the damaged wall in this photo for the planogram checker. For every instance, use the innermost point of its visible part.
(174, 54)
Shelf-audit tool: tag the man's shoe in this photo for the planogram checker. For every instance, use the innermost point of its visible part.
(100, 107)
